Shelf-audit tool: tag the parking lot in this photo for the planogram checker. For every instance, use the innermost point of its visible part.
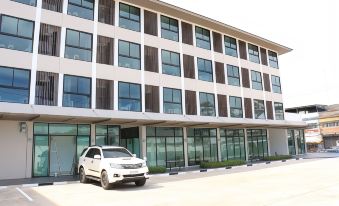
(303, 182)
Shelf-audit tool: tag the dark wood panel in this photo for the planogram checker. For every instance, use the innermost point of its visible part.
(263, 55)
(217, 42)
(52, 5)
(104, 94)
(267, 84)
(187, 33)
(220, 72)
(150, 23)
(151, 59)
(222, 105)
(242, 50)
(191, 102)
(106, 11)
(245, 78)
(152, 98)
(189, 71)
(248, 108)
(49, 40)
(105, 50)
(269, 109)
(46, 89)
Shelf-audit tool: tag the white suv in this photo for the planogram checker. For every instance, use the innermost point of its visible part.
(110, 164)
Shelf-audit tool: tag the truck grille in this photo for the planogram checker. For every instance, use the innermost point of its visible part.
(132, 166)
(134, 175)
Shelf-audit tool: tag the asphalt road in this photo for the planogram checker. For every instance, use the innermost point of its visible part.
(303, 182)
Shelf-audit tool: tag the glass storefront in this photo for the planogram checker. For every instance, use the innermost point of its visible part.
(202, 145)
(107, 135)
(257, 144)
(57, 147)
(130, 139)
(291, 142)
(232, 144)
(296, 141)
(165, 147)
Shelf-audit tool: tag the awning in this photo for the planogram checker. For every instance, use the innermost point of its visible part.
(314, 139)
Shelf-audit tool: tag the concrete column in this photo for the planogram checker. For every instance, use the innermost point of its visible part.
(92, 138)
(29, 150)
(185, 146)
(142, 138)
(219, 144)
(246, 144)
(94, 54)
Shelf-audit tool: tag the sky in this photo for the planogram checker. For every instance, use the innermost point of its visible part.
(310, 73)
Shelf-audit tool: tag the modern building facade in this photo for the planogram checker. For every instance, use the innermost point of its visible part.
(168, 84)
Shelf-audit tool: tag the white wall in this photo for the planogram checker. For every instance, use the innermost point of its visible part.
(15, 150)
(278, 141)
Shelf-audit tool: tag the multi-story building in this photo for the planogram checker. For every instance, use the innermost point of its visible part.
(329, 126)
(168, 84)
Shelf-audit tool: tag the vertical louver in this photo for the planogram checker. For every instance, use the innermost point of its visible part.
(191, 102)
(222, 105)
(151, 59)
(248, 108)
(49, 40)
(188, 66)
(151, 23)
(46, 89)
(263, 56)
(217, 42)
(152, 98)
(269, 109)
(105, 50)
(245, 78)
(267, 84)
(242, 50)
(104, 94)
(187, 33)
(52, 5)
(106, 12)
(220, 72)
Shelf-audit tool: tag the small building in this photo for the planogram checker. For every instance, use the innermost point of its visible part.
(329, 126)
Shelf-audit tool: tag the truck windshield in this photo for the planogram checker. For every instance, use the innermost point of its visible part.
(115, 153)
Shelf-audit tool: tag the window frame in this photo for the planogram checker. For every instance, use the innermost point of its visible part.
(170, 64)
(228, 46)
(129, 14)
(257, 110)
(201, 39)
(78, 94)
(35, 3)
(235, 107)
(253, 55)
(172, 102)
(276, 86)
(203, 70)
(208, 107)
(129, 98)
(17, 29)
(129, 56)
(15, 87)
(273, 59)
(232, 76)
(281, 114)
(82, 7)
(255, 81)
(79, 47)
(170, 20)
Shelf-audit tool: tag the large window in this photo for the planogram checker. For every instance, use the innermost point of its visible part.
(259, 109)
(233, 75)
(279, 111)
(81, 8)
(236, 107)
(78, 45)
(207, 106)
(170, 63)
(16, 34)
(129, 55)
(129, 97)
(169, 28)
(172, 101)
(273, 59)
(14, 85)
(77, 92)
(205, 70)
(256, 80)
(276, 87)
(129, 17)
(232, 144)
(107, 135)
(253, 53)
(165, 147)
(230, 46)
(28, 2)
(203, 39)
(257, 143)
(201, 146)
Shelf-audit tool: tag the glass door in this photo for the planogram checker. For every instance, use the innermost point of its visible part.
(40, 158)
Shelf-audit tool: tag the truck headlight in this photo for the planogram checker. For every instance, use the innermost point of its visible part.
(144, 164)
(116, 166)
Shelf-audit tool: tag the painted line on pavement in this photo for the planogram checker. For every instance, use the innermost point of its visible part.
(3, 187)
(30, 185)
(24, 194)
(60, 183)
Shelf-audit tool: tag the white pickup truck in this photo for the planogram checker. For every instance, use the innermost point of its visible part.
(111, 164)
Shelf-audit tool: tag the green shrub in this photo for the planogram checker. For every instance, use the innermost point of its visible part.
(227, 163)
(156, 170)
(277, 157)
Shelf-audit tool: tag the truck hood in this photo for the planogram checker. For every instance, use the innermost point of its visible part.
(125, 160)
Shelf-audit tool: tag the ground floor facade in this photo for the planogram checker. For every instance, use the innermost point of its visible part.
(38, 149)
(331, 141)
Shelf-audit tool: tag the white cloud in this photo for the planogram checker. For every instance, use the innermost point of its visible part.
(310, 73)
